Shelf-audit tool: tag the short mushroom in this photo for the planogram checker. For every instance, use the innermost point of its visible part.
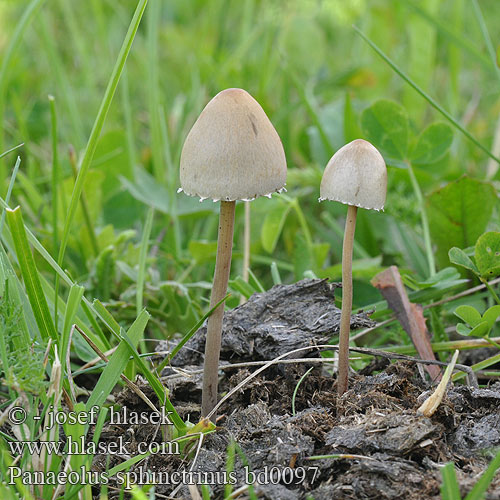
(232, 153)
(356, 175)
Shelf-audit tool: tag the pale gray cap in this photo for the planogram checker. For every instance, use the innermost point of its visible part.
(356, 175)
(233, 151)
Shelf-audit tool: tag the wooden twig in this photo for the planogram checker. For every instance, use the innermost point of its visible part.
(409, 314)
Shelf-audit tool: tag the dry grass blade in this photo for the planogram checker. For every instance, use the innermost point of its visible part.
(431, 404)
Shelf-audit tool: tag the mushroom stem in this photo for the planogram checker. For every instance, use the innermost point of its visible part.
(345, 317)
(214, 325)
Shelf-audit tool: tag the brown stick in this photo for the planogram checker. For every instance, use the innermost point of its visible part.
(214, 325)
(410, 315)
(345, 317)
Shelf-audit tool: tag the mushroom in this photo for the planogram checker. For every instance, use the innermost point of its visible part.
(356, 175)
(232, 153)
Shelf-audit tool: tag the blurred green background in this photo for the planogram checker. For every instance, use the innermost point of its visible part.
(313, 75)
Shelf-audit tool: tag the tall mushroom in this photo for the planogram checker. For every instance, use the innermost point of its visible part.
(232, 153)
(356, 175)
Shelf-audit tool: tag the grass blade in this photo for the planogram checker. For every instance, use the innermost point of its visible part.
(156, 384)
(142, 258)
(5, 153)
(9, 190)
(426, 96)
(98, 125)
(55, 184)
(153, 20)
(486, 36)
(30, 275)
(294, 395)
(188, 335)
(477, 493)
(117, 363)
(458, 40)
(65, 89)
(24, 22)
(74, 299)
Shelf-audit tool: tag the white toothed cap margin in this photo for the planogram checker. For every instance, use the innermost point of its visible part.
(233, 151)
(356, 175)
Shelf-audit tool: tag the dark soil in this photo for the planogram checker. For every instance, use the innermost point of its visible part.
(389, 451)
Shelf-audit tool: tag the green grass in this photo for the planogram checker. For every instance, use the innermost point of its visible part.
(102, 95)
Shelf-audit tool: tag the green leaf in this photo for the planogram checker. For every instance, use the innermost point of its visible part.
(202, 251)
(363, 269)
(469, 314)
(188, 335)
(463, 330)
(351, 127)
(320, 252)
(273, 225)
(459, 213)
(117, 363)
(107, 318)
(385, 124)
(160, 390)
(480, 330)
(111, 157)
(105, 272)
(432, 144)
(487, 254)
(141, 275)
(450, 489)
(30, 275)
(74, 299)
(303, 257)
(76, 431)
(243, 287)
(88, 154)
(427, 97)
(485, 480)
(145, 188)
(446, 274)
(460, 258)
(491, 315)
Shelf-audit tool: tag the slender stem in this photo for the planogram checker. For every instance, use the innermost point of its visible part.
(303, 223)
(84, 206)
(490, 289)
(214, 325)
(426, 96)
(345, 317)
(425, 221)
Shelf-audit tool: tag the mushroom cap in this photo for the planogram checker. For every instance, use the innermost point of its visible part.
(233, 151)
(356, 175)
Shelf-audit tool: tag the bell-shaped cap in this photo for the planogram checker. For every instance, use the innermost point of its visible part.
(356, 175)
(233, 151)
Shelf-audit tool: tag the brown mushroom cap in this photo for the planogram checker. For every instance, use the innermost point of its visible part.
(233, 151)
(356, 175)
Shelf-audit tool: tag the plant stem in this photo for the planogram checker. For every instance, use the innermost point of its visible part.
(84, 206)
(214, 325)
(303, 223)
(425, 221)
(490, 289)
(426, 96)
(345, 317)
